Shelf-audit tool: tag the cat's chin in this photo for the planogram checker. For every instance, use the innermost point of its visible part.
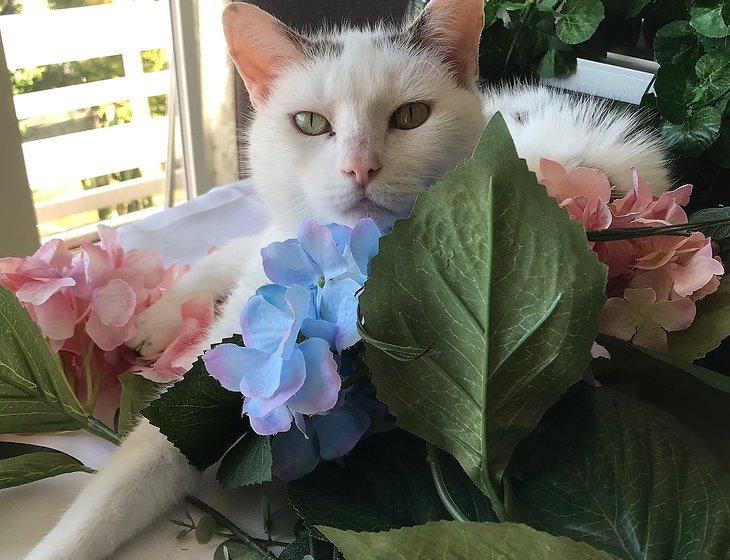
(366, 208)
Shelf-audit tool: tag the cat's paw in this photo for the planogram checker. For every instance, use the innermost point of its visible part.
(157, 326)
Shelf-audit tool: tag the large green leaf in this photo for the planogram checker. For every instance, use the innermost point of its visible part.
(698, 397)
(697, 133)
(677, 43)
(21, 463)
(578, 20)
(709, 18)
(670, 88)
(624, 476)
(137, 394)
(303, 545)
(247, 463)
(461, 541)
(491, 277)
(710, 327)
(713, 71)
(34, 393)
(717, 232)
(198, 416)
(394, 488)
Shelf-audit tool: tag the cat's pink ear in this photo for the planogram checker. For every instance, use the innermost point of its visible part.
(453, 27)
(260, 46)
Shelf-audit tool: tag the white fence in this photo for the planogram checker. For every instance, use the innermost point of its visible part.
(41, 37)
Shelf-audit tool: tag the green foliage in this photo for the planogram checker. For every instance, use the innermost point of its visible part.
(137, 394)
(247, 463)
(34, 393)
(625, 477)
(394, 488)
(198, 401)
(21, 463)
(696, 396)
(465, 541)
(506, 320)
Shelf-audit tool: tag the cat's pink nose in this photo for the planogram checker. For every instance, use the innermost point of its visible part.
(362, 168)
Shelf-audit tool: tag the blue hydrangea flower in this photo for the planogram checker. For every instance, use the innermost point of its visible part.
(326, 436)
(281, 380)
(332, 263)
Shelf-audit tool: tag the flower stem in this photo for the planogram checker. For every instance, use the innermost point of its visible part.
(222, 520)
(438, 481)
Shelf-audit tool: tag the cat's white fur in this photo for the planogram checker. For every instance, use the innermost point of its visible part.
(356, 84)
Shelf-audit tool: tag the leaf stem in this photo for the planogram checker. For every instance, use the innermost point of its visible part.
(98, 428)
(711, 101)
(494, 500)
(222, 520)
(438, 480)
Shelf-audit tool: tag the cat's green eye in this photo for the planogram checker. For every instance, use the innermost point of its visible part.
(312, 124)
(410, 115)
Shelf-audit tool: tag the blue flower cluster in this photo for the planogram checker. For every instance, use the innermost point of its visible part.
(295, 330)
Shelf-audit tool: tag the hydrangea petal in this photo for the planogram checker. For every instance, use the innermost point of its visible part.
(107, 337)
(286, 263)
(147, 263)
(318, 243)
(265, 326)
(322, 384)
(675, 315)
(333, 293)
(228, 363)
(293, 454)
(262, 381)
(347, 333)
(651, 336)
(56, 318)
(38, 293)
(291, 378)
(618, 319)
(276, 421)
(114, 303)
(364, 244)
(97, 264)
(339, 431)
(341, 235)
(318, 328)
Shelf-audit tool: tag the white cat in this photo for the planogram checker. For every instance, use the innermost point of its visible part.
(348, 124)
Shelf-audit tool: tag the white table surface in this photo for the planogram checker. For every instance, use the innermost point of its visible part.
(182, 234)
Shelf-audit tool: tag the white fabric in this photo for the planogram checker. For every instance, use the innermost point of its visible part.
(183, 234)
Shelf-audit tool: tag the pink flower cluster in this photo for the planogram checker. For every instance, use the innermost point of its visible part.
(86, 304)
(653, 281)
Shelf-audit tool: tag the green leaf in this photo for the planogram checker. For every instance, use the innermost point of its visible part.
(717, 232)
(394, 488)
(677, 43)
(463, 541)
(199, 417)
(713, 71)
(634, 7)
(492, 277)
(34, 393)
(319, 550)
(137, 394)
(556, 63)
(624, 476)
(247, 463)
(22, 463)
(237, 550)
(710, 327)
(696, 396)
(695, 134)
(707, 18)
(578, 20)
(670, 87)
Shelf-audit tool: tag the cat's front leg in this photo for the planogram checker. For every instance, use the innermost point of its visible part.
(144, 478)
(215, 275)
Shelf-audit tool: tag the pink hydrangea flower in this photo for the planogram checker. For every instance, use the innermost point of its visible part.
(657, 277)
(86, 304)
(640, 318)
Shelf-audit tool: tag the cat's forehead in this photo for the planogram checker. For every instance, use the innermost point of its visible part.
(364, 68)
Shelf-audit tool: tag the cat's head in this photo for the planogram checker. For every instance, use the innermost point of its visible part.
(355, 123)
